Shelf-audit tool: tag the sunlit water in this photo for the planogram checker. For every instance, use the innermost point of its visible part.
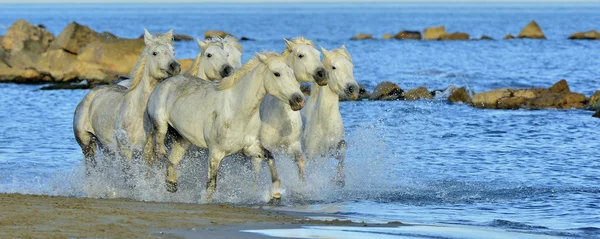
(422, 162)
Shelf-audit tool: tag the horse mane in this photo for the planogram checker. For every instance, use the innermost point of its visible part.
(231, 40)
(333, 54)
(193, 71)
(298, 40)
(228, 82)
(137, 72)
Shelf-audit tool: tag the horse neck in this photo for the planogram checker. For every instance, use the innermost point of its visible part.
(246, 94)
(140, 94)
(324, 99)
(201, 74)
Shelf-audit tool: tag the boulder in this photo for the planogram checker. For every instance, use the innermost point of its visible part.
(532, 30)
(556, 100)
(27, 56)
(597, 114)
(594, 102)
(484, 37)
(508, 37)
(589, 35)
(91, 72)
(434, 33)
(408, 35)
(387, 36)
(55, 61)
(362, 36)
(560, 87)
(510, 103)
(386, 91)
(182, 37)
(119, 55)
(17, 75)
(455, 36)
(417, 94)
(21, 32)
(185, 64)
(490, 99)
(208, 34)
(363, 93)
(247, 39)
(74, 38)
(460, 95)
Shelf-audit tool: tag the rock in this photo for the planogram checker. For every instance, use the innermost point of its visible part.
(417, 94)
(490, 99)
(17, 75)
(460, 95)
(532, 30)
(208, 34)
(455, 36)
(90, 72)
(363, 93)
(527, 94)
(27, 56)
(110, 36)
(556, 100)
(247, 39)
(560, 87)
(434, 33)
(185, 64)
(594, 102)
(589, 35)
(387, 36)
(119, 55)
(597, 114)
(484, 37)
(362, 36)
(386, 91)
(182, 37)
(508, 37)
(408, 35)
(55, 60)
(22, 31)
(74, 38)
(510, 103)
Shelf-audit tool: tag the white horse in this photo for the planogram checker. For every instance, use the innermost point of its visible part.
(222, 117)
(323, 134)
(106, 110)
(281, 126)
(235, 49)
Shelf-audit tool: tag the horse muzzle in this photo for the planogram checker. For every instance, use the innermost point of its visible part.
(226, 71)
(352, 91)
(297, 102)
(174, 69)
(320, 76)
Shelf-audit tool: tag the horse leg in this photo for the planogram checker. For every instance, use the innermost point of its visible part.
(88, 145)
(340, 178)
(178, 149)
(299, 157)
(214, 162)
(258, 154)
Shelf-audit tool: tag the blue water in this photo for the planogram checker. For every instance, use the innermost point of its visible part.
(422, 162)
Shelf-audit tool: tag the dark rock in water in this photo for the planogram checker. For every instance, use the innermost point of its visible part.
(560, 87)
(434, 33)
(589, 35)
(362, 93)
(66, 87)
(594, 103)
(362, 36)
(386, 91)
(417, 94)
(508, 37)
(456, 36)
(597, 114)
(490, 99)
(182, 37)
(484, 37)
(408, 35)
(510, 103)
(247, 39)
(532, 30)
(556, 100)
(460, 95)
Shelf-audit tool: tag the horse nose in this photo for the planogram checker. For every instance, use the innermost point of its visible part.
(297, 101)
(227, 71)
(174, 68)
(352, 91)
(321, 76)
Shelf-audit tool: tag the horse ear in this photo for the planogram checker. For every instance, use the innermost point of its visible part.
(344, 48)
(168, 36)
(201, 44)
(290, 45)
(325, 51)
(148, 38)
(261, 57)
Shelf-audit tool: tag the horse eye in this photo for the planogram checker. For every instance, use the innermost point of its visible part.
(277, 74)
(154, 53)
(300, 56)
(333, 67)
(208, 55)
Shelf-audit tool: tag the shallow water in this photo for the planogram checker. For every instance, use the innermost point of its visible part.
(422, 162)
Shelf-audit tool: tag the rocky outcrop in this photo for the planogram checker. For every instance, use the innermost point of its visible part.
(408, 35)
(455, 36)
(589, 35)
(119, 55)
(532, 30)
(386, 91)
(484, 37)
(185, 64)
(362, 36)
(182, 37)
(594, 103)
(417, 94)
(597, 114)
(458, 95)
(490, 99)
(508, 37)
(74, 38)
(22, 33)
(208, 34)
(387, 36)
(434, 33)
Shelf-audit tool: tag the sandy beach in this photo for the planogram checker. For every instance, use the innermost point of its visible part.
(38, 216)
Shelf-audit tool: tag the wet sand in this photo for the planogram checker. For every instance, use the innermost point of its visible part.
(38, 216)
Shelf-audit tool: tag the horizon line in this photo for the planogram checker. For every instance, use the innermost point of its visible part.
(284, 2)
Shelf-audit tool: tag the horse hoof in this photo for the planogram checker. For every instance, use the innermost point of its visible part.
(171, 186)
(340, 183)
(275, 199)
